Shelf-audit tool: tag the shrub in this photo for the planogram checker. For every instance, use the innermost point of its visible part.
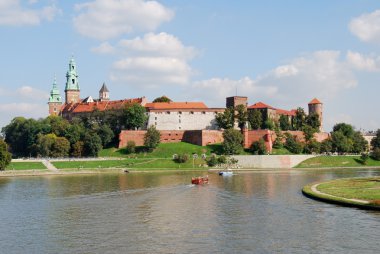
(152, 138)
(312, 147)
(326, 146)
(259, 147)
(232, 143)
(181, 158)
(364, 157)
(376, 154)
(222, 159)
(278, 143)
(212, 161)
(293, 145)
(131, 146)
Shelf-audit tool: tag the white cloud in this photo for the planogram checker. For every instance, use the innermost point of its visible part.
(285, 70)
(367, 27)
(216, 89)
(28, 110)
(104, 48)
(153, 60)
(32, 93)
(13, 14)
(361, 62)
(106, 19)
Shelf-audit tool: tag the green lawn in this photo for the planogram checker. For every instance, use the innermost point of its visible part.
(26, 166)
(360, 188)
(123, 163)
(336, 161)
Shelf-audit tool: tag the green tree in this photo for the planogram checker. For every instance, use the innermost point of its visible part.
(77, 149)
(232, 143)
(241, 115)
(259, 147)
(309, 132)
(255, 119)
(45, 144)
(346, 129)
(359, 144)
(341, 143)
(5, 156)
(292, 144)
(75, 132)
(269, 124)
(226, 119)
(152, 138)
(299, 119)
(92, 144)
(106, 134)
(313, 121)
(326, 146)
(376, 154)
(60, 147)
(312, 147)
(162, 99)
(375, 142)
(285, 124)
(134, 117)
(131, 147)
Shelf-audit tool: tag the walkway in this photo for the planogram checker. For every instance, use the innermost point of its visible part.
(315, 190)
(49, 166)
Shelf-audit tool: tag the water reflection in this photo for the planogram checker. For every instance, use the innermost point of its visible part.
(262, 212)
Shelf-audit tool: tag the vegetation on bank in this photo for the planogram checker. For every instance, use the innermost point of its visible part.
(348, 192)
(27, 165)
(337, 161)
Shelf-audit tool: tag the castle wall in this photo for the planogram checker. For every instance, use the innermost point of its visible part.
(182, 120)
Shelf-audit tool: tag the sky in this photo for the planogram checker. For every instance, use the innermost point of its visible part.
(282, 53)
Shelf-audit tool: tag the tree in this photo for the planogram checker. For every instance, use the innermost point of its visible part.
(299, 119)
(346, 129)
(92, 144)
(226, 119)
(134, 116)
(269, 124)
(312, 147)
(259, 147)
(255, 119)
(232, 143)
(340, 142)
(359, 144)
(60, 147)
(309, 132)
(285, 124)
(241, 115)
(375, 142)
(326, 146)
(44, 144)
(313, 121)
(131, 147)
(376, 154)
(5, 156)
(162, 99)
(152, 138)
(292, 144)
(106, 134)
(77, 149)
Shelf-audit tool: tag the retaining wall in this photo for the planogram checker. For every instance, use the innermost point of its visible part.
(271, 161)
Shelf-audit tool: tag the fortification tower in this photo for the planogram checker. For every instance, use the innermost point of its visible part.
(55, 100)
(235, 101)
(72, 91)
(104, 94)
(315, 106)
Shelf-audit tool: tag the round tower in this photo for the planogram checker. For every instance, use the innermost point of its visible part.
(316, 107)
(72, 91)
(55, 100)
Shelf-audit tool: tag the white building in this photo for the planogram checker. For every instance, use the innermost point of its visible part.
(182, 116)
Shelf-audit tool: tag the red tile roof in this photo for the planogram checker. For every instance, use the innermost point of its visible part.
(260, 105)
(82, 107)
(285, 112)
(315, 101)
(175, 105)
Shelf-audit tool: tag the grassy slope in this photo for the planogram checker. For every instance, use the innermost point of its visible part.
(336, 161)
(25, 166)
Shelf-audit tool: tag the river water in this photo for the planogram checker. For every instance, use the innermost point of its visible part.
(256, 212)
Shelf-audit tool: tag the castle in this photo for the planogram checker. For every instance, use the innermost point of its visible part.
(177, 121)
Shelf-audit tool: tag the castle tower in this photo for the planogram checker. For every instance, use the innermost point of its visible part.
(104, 94)
(72, 91)
(232, 102)
(55, 100)
(315, 107)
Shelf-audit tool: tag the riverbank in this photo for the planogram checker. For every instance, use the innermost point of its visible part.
(361, 193)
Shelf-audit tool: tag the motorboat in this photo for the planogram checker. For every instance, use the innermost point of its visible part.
(227, 172)
(199, 180)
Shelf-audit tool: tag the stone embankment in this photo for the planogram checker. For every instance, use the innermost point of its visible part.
(271, 161)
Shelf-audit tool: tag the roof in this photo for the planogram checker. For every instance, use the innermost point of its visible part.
(285, 112)
(260, 105)
(104, 88)
(84, 107)
(175, 105)
(315, 101)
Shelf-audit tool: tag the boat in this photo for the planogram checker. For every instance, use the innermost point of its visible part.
(199, 180)
(226, 173)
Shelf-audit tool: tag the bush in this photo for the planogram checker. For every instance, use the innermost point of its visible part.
(212, 161)
(364, 157)
(293, 145)
(278, 143)
(222, 159)
(376, 154)
(326, 146)
(152, 138)
(232, 143)
(181, 158)
(259, 147)
(131, 147)
(312, 147)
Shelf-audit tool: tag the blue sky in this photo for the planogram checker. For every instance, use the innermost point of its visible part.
(283, 53)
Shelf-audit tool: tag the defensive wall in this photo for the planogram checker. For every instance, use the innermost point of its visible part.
(206, 137)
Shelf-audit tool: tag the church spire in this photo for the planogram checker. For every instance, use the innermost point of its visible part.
(72, 90)
(55, 100)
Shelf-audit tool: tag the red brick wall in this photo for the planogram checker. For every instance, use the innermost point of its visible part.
(253, 136)
(197, 137)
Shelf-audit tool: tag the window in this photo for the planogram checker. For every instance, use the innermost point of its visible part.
(191, 112)
(73, 81)
(179, 127)
(179, 120)
(180, 112)
(155, 118)
(55, 109)
(203, 112)
(155, 123)
(168, 112)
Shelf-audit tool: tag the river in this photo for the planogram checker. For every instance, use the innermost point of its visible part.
(251, 212)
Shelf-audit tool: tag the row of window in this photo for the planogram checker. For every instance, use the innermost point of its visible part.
(180, 112)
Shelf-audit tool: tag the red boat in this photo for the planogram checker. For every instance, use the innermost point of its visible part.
(199, 180)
